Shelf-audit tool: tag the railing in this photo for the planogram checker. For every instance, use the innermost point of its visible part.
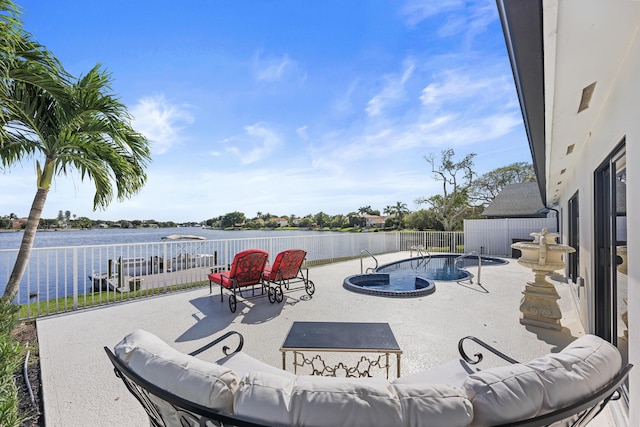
(472, 254)
(424, 256)
(369, 269)
(59, 279)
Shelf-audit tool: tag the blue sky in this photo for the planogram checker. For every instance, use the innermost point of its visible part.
(286, 107)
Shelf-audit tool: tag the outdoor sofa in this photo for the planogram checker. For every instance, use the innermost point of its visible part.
(177, 389)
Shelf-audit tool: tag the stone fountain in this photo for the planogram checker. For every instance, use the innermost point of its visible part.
(539, 305)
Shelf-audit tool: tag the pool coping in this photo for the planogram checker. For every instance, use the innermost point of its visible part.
(427, 286)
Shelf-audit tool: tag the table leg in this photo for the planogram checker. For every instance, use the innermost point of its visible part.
(284, 360)
(386, 364)
(398, 360)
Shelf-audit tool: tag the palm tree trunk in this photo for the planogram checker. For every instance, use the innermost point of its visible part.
(19, 267)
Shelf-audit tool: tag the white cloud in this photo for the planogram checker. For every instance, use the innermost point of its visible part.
(302, 132)
(392, 93)
(160, 121)
(453, 85)
(343, 106)
(257, 142)
(467, 18)
(273, 69)
(416, 11)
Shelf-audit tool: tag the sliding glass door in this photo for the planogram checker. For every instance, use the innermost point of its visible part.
(610, 239)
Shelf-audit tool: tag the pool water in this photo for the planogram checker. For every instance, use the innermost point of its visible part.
(442, 267)
(382, 284)
(415, 276)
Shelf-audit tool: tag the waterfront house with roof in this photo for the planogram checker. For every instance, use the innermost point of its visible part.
(576, 67)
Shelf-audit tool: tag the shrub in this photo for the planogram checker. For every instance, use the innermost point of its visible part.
(10, 356)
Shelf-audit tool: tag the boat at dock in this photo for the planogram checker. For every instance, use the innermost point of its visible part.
(121, 271)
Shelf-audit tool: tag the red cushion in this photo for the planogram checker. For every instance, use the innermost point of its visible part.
(220, 278)
(286, 265)
(246, 269)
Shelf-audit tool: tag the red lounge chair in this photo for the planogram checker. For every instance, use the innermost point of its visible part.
(246, 270)
(286, 269)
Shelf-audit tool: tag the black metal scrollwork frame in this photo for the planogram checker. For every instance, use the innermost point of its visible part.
(156, 401)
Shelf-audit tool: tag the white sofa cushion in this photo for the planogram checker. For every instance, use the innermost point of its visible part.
(581, 369)
(434, 405)
(452, 373)
(354, 402)
(502, 394)
(264, 397)
(205, 383)
(241, 363)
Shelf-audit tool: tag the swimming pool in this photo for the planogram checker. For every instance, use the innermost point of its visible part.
(383, 285)
(414, 276)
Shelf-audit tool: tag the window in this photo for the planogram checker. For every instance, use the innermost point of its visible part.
(574, 238)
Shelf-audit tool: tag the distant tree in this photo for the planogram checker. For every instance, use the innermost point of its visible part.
(232, 219)
(456, 177)
(486, 187)
(60, 216)
(355, 219)
(271, 224)
(365, 210)
(338, 221)
(213, 222)
(322, 219)
(305, 222)
(424, 219)
(83, 222)
(399, 211)
(253, 225)
(67, 216)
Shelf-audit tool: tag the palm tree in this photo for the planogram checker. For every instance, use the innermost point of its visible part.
(85, 129)
(365, 209)
(400, 210)
(23, 60)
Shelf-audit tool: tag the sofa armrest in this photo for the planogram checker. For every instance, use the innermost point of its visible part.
(478, 356)
(584, 410)
(225, 349)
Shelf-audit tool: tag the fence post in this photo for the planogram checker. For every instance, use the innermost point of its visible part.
(75, 278)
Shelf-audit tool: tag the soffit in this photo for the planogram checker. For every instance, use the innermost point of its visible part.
(585, 41)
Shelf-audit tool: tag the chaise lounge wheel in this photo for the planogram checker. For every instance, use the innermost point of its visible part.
(310, 287)
(232, 303)
(271, 293)
(279, 295)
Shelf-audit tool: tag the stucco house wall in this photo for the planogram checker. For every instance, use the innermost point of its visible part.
(557, 50)
(618, 120)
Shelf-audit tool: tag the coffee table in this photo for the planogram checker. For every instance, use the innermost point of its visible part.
(354, 337)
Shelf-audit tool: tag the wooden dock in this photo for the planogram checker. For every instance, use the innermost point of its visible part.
(162, 280)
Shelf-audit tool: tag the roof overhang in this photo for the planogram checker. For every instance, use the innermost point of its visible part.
(522, 28)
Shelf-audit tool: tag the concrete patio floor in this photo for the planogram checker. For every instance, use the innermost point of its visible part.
(80, 389)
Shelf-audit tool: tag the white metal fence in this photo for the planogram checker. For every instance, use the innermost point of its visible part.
(60, 279)
(495, 236)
